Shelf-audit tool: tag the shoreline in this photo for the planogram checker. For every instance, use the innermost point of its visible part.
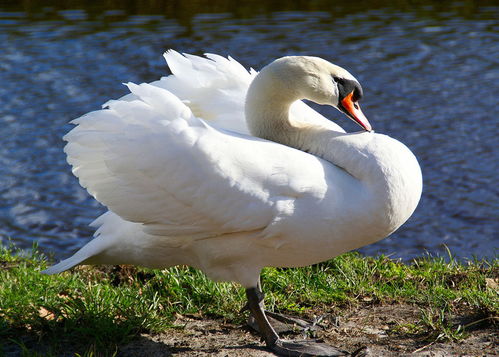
(393, 308)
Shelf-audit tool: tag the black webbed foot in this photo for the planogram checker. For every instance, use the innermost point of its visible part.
(305, 348)
(289, 324)
(290, 348)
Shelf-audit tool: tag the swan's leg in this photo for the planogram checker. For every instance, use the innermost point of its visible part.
(282, 323)
(255, 306)
(303, 348)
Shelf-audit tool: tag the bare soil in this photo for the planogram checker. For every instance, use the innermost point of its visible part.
(380, 328)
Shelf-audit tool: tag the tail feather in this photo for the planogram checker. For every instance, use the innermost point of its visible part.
(91, 249)
(62, 266)
(115, 242)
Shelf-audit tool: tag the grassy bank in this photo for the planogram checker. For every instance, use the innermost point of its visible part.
(95, 310)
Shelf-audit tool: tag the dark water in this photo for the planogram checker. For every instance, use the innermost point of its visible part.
(430, 76)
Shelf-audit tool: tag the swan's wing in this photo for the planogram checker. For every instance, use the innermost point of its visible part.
(150, 160)
(214, 88)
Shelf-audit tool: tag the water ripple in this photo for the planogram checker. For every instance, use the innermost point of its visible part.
(430, 81)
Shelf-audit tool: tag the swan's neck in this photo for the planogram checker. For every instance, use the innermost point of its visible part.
(268, 116)
(267, 109)
(387, 172)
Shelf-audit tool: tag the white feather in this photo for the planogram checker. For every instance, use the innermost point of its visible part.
(185, 183)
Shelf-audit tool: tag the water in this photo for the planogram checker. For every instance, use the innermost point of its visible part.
(429, 75)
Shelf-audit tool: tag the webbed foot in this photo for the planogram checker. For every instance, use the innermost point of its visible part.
(288, 324)
(289, 348)
(305, 348)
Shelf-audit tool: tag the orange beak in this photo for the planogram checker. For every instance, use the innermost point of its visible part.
(352, 109)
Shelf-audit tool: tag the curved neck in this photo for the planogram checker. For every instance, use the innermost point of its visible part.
(267, 107)
(268, 116)
(267, 110)
(388, 173)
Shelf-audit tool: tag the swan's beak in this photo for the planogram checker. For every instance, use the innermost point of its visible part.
(352, 109)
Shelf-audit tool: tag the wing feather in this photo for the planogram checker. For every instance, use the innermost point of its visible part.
(151, 161)
(150, 158)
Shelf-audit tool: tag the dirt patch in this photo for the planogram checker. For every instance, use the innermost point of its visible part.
(198, 337)
(381, 328)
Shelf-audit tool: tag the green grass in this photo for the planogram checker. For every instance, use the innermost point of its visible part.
(110, 306)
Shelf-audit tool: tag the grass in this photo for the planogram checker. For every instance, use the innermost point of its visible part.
(96, 309)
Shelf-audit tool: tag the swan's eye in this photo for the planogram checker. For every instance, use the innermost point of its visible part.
(338, 80)
(356, 106)
(347, 86)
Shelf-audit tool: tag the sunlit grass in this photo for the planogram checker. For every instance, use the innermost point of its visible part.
(98, 309)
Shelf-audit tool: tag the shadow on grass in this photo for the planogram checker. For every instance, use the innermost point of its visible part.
(86, 335)
(75, 337)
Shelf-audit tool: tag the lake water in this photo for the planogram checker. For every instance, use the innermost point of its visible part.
(430, 76)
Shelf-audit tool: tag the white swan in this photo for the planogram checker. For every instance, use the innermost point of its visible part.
(185, 183)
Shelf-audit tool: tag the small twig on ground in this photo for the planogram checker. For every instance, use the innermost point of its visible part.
(424, 347)
(481, 320)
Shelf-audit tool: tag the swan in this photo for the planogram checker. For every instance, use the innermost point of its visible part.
(228, 171)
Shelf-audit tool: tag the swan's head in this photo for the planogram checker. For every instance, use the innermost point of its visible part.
(322, 82)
